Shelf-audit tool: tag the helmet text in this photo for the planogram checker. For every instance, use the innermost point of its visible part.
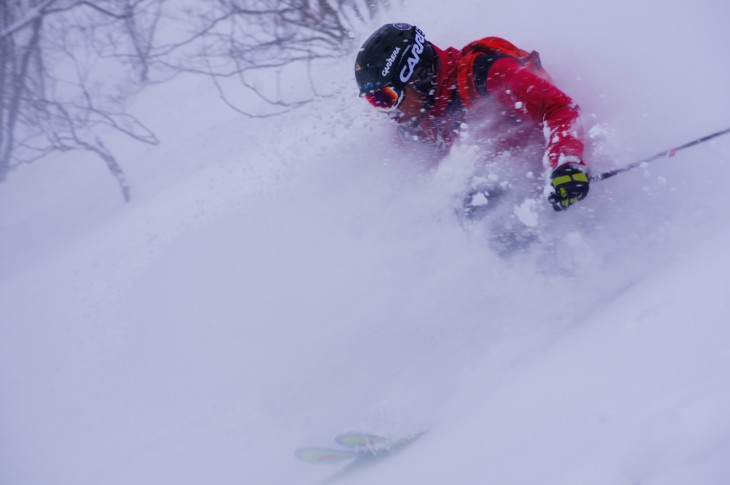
(416, 51)
(390, 62)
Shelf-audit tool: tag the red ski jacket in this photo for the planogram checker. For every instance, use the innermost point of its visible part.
(519, 102)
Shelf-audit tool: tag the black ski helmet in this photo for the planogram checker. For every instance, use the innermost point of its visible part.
(395, 55)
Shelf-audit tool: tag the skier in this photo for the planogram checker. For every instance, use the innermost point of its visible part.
(431, 92)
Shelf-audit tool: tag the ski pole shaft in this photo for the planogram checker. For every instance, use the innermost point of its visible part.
(665, 154)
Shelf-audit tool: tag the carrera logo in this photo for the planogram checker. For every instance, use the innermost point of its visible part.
(416, 51)
(390, 62)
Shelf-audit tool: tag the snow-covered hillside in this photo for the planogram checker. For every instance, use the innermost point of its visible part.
(275, 282)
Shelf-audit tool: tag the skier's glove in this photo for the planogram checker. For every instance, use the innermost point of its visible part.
(570, 184)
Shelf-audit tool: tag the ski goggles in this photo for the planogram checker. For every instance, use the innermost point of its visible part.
(386, 98)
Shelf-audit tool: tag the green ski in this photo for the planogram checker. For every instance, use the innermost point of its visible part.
(324, 455)
(356, 446)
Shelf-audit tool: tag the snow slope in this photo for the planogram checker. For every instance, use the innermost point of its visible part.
(277, 281)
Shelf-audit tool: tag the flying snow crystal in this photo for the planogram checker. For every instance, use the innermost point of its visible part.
(479, 199)
(596, 131)
(527, 212)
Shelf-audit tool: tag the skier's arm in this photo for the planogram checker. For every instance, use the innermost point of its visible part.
(517, 88)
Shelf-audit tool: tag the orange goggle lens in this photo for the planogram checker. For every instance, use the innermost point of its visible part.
(385, 98)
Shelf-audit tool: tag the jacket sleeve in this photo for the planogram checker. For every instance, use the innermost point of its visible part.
(517, 88)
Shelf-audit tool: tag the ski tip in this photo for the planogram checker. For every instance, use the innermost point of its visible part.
(323, 456)
(374, 443)
(361, 441)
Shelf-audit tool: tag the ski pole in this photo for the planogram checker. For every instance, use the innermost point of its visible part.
(667, 153)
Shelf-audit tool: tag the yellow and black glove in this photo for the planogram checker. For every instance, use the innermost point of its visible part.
(570, 184)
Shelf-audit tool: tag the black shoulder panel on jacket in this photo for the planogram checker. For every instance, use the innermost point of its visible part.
(481, 67)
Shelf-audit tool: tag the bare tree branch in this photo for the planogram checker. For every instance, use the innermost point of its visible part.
(259, 37)
(58, 93)
(43, 108)
(30, 16)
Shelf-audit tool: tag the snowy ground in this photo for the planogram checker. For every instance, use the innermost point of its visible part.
(276, 282)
